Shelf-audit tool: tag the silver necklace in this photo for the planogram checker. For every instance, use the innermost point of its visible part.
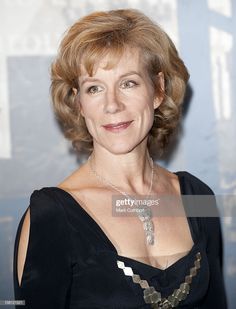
(145, 215)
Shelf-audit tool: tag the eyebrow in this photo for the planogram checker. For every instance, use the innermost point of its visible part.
(90, 79)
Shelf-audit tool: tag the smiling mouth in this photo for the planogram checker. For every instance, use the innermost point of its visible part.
(117, 127)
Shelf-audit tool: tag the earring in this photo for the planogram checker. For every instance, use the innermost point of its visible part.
(75, 91)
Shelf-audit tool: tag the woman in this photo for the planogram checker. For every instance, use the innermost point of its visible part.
(117, 87)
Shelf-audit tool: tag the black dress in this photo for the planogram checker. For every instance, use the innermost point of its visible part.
(71, 263)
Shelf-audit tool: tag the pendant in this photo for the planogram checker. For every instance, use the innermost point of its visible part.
(146, 218)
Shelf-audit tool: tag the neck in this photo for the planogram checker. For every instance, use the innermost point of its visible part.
(130, 172)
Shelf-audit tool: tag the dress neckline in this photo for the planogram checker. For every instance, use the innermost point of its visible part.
(112, 246)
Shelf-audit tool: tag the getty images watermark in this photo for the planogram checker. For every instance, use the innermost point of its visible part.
(132, 205)
(175, 205)
(12, 302)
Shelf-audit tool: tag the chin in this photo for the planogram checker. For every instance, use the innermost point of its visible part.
(119, 148)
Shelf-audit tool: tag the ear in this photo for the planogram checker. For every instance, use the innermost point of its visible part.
(159, 98)
(75, 91)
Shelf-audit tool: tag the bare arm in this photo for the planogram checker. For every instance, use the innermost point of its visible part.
(23, 244)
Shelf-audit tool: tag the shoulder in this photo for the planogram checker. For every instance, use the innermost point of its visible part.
(46, 206)
(193, 184)
(46, 194)
(202, 197)
(44, 218)
(45, 197)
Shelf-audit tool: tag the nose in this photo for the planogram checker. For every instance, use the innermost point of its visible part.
(113, 102)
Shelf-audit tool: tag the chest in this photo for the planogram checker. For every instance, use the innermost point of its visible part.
(172, 235)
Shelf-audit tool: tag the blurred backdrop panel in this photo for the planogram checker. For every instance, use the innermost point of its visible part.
(33, 152)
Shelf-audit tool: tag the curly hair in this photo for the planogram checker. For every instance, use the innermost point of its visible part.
(100, 33)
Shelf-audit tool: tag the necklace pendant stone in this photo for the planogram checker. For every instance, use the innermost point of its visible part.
(150, 239)
(148, 226)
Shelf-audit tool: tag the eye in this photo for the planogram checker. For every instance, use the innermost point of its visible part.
(94, 89)
(128, 84)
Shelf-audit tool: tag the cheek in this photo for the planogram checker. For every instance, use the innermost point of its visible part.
(91, 117)
(145, 112)
(145, 106)
(90, 106)
(92, 126)
(86, 109)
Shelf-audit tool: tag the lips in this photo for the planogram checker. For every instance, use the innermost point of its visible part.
(119, 126)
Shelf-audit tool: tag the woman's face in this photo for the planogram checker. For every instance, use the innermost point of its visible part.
(118, 104)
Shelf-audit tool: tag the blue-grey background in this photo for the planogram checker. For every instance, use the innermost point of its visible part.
(33, 152)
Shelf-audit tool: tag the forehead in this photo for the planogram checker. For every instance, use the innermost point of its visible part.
(129, 60)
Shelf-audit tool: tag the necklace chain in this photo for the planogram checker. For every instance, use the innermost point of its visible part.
(102, 179)
(146, 214)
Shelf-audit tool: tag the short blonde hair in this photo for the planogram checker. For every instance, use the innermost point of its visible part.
(100, 33)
